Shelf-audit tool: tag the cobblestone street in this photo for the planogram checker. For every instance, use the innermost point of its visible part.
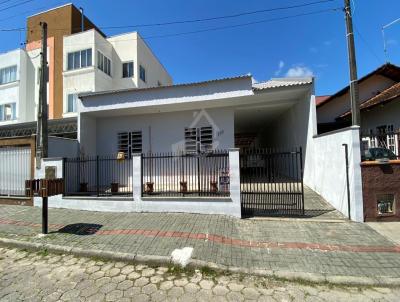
(28, 276)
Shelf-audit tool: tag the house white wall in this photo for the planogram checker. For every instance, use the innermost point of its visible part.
(367, 89)
(155, 72)
(10, 92)
(162, 132)
(325, 166)
(290, 130)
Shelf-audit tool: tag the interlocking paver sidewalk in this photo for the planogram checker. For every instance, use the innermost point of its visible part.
(344, 249)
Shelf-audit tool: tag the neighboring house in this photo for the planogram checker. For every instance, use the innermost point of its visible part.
(80, 59)
(95, 63)
(379, 105)
(380, 127)
(15, 74)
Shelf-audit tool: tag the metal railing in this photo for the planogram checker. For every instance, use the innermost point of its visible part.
(182, 174)
(97, 176)
(388, 140)
(15, 168)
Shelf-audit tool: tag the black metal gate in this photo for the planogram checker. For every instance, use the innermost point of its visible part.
(271, 182)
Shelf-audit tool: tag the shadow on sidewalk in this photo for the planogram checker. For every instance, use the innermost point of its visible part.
(82, 229)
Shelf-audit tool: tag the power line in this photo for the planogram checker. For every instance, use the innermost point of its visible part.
(197, 20)
(15, 5)
(221, 27)
(220, 17)
(367, 45)
(3, 2)
(28, 12)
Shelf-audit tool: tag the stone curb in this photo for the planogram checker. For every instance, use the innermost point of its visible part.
(194, 263)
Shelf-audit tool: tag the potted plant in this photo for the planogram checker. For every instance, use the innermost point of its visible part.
(114, 187)
(149, 187)
(183, 186)
(213, 186)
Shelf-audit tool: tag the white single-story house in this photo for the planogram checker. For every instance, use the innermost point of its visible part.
(224, 114)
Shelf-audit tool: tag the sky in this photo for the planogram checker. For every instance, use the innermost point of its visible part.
(313, 43)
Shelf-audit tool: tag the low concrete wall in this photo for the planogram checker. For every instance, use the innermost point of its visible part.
(379, 179)
(326, 172)
(225, 206)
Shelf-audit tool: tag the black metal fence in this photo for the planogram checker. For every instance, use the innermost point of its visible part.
(98, 176)
(271, 182)
(15, 168)
(172, 174)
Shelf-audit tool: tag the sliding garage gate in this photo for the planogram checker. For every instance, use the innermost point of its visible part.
(15, 168)
(271, 182)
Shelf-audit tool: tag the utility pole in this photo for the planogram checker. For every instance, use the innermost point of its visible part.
(42, 114)
(355, 106)
(42, 129)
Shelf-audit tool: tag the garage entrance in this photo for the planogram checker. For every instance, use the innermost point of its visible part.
(271, 182)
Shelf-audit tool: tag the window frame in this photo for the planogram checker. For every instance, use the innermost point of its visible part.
(132, 142)
(131, 74)
(142, 73)
(199, 139)
(73, 56)
(8, 74)
(13, 110)
(104, 63)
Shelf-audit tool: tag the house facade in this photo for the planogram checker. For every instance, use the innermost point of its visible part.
(183, 148)
(380, 128)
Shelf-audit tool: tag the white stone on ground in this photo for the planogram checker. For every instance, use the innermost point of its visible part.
(182, 256)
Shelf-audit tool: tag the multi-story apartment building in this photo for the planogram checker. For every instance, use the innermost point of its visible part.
(80, 59)
(95, 63)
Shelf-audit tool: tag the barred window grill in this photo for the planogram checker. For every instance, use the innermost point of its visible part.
(385, 204)
(199, 139)
(130, 142)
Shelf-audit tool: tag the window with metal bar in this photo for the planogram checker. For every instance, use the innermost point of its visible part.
(130, 142)
(199, 139)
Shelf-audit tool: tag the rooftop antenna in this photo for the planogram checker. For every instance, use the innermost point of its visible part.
(82, 19)
(384, 38)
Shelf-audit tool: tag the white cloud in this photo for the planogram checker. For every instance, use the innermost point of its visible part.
(313, 49)
(299, 71)
(280, 67)
(327, 43)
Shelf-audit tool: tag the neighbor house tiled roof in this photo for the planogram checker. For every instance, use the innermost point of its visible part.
(384, 97)
(282, 82)
(320, 99)
(387, 70)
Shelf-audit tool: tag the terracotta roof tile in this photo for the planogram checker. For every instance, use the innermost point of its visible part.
(385, 96)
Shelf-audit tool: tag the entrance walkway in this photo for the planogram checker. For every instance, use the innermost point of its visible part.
(316, 207)
(316, 250)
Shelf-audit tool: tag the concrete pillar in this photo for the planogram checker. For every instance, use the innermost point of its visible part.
(234, 173)
(137, 177)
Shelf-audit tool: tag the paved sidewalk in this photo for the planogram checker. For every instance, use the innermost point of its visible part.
(337, 252)
(47, 277)
(390, 230)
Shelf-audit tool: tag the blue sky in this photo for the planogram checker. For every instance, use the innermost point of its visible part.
(313, 44)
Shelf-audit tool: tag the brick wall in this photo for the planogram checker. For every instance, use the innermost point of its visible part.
(378, 180)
